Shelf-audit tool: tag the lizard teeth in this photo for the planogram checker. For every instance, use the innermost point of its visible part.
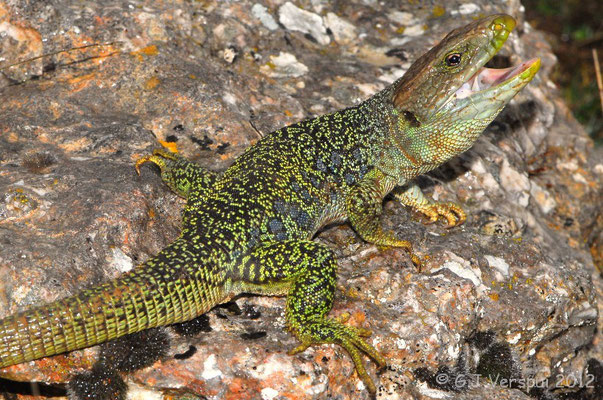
(476, 84)
(464, 91)
(486, 78)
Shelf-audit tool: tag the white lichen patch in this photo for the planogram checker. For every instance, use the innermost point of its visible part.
(261, 13)
(514, 339)
(284, 65)
(571, 165)
(580, 178)
(543, 198)
(136, 392)
(501, 268)
(295, 19)
(269, 394)
(402, 17)
(229, 98)
(343, 31)
(210, 368)
(401, 343)
(466, 9)
(516, 183)
(120, 261)
(414, 30)
(391, 75)
(273, 365)
(453, 351)
(462, 268)
(20, 292)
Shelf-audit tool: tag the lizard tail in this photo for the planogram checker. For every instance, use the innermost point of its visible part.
(169, 288)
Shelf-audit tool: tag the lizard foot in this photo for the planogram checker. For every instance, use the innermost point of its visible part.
(453, 213)
(350, 338)
(389, 239)
(158, 157)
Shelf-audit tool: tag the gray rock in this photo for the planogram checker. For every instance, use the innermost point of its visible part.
(511, 294)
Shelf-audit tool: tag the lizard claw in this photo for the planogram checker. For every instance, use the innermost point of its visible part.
(348, 337)
(393, 241)
(141, 161)
(157, 158)
(453, 213)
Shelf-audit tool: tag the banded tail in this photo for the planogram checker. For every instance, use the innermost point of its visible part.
(169, 288)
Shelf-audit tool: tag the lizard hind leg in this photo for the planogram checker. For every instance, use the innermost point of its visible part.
(181, 175)
(306, 272)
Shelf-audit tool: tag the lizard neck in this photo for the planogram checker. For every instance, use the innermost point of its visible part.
(404, 147)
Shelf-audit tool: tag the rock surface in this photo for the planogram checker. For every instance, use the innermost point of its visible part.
(506, 306)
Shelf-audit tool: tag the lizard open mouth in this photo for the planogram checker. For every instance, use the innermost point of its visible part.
(486, 78)
(489, 87)
(454, 81)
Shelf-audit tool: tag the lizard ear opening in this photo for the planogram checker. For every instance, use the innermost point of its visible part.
(412, 120)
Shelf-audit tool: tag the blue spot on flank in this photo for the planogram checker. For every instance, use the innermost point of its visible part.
(349, 178)
(294, 211)
(306, 195)
(335, 159)
(275, 225)
(321, 165)
(303, 220)
(295, 186)
(279, 206)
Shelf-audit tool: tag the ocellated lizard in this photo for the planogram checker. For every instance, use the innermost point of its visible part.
(250, 229)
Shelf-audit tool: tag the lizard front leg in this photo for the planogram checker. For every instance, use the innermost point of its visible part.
(414, 197)
(178, 173)
(306, 272)
(364, 208)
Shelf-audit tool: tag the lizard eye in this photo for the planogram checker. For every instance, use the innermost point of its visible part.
(453, 59)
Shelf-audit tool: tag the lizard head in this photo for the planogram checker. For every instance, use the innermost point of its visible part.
(447, 97)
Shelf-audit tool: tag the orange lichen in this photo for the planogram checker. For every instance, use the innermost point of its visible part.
(147, 51)
(81, 82)
(151, 83)
(171, 146)
(76, 145)
(240, 389)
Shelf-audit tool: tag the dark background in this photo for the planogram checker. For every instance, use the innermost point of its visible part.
(574, 28)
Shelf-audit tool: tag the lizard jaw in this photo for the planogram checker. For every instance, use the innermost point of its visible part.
(486, 78)
(488, 90)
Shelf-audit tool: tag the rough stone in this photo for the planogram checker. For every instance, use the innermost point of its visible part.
(296, 19)
(511, 294)
(261, 13)
(343, 31)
